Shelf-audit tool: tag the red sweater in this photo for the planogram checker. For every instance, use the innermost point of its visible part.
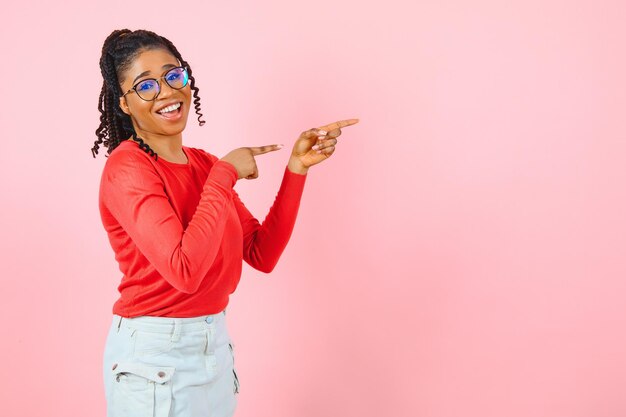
(180, 231)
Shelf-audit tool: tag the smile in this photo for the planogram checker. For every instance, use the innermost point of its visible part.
(171, 113)
(169, 109)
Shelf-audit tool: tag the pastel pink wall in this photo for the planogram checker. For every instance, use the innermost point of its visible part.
(461, 254)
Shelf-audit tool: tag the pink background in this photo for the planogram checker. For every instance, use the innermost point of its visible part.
(461, 254)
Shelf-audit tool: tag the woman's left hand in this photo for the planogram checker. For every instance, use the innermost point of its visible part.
(317, 144)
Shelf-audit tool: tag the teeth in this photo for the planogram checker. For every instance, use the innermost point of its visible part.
(169, 108)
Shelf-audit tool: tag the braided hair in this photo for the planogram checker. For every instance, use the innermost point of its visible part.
(120, 48)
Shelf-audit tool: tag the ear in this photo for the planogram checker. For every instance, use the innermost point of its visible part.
(124, 105)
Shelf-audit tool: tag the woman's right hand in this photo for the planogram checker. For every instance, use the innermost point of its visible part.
(243, 159)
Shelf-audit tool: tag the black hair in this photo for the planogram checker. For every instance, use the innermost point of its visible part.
(120, 48)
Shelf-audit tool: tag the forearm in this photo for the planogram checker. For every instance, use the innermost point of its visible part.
(263, 244)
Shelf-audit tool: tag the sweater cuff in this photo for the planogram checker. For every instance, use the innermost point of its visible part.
(293, 178)
(224, 173)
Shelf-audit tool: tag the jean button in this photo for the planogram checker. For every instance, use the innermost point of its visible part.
(209, 319)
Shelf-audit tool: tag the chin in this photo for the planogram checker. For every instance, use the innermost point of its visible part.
(174, 130)
(171, 129)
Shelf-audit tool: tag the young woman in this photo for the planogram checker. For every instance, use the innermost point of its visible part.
(179, 232)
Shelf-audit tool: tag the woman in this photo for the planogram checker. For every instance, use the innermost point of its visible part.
(179, 232)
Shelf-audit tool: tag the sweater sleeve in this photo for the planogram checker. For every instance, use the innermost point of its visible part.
(133, 192)
(263, 244)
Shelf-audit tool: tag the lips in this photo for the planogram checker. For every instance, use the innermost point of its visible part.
(173, 114)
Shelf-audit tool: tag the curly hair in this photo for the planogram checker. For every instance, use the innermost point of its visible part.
(120, 48)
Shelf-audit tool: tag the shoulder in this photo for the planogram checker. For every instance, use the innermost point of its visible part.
(129, 151)
(128, 160)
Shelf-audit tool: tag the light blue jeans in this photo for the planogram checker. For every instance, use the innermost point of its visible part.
(170, 367)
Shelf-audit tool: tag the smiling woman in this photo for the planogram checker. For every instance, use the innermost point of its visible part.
(180, 233)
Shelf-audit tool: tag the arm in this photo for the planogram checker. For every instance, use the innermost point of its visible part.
(133, 192)
(264, 243)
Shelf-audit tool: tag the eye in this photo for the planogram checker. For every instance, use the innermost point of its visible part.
(173, 75)
(145, 86)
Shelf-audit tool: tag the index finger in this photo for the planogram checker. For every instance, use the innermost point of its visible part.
(258, 150)
(339, 124)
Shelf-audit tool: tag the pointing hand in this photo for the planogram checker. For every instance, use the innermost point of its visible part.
(318, 144)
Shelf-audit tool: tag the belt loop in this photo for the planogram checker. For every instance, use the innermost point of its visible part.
(176, 332)
(119, 323)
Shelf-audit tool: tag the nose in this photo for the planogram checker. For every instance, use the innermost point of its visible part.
(164, 90)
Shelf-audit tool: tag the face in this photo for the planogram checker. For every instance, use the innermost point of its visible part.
(147, 116)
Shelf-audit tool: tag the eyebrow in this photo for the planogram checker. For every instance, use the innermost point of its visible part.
(143, 74)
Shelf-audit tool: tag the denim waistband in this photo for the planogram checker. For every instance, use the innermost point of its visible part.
(169, 324)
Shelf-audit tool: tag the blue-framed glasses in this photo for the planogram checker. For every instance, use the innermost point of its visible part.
(150, 88)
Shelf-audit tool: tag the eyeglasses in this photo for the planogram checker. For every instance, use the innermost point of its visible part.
(150, 88)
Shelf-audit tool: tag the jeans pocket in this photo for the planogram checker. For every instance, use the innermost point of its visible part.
(151, 343)
(140, 390)
(235, 378)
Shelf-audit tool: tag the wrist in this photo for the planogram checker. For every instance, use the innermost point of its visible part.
(297, 167)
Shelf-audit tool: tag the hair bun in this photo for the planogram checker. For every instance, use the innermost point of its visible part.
(113, 37)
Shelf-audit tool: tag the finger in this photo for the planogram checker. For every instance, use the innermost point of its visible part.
(326, 151)
(258, 150)
(334, 133)
(330, 135)
(339, 124)
(312, 133)
(324, 144)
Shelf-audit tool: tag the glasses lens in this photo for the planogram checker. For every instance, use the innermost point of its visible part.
(177, 78)
(147, 89)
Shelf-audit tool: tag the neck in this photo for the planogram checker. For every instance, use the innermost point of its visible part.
(162, 144)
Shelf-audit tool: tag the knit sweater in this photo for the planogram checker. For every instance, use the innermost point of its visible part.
(180, 231)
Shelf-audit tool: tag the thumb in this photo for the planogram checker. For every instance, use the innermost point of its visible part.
(313, 133)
